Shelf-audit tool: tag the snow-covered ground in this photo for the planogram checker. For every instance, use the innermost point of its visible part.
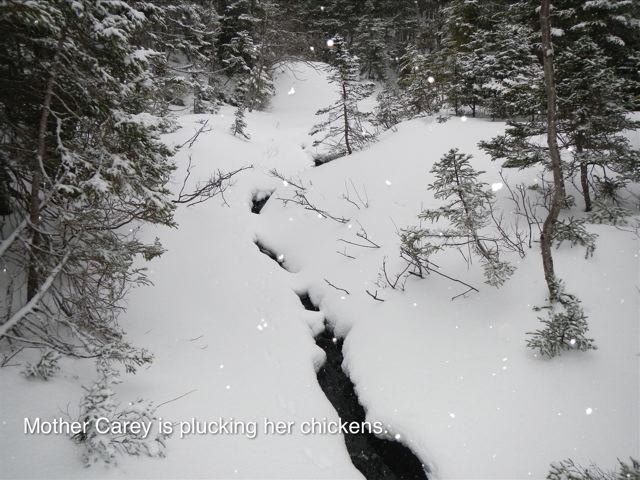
(452, 378)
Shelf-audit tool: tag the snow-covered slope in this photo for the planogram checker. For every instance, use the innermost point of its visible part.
(452, 378)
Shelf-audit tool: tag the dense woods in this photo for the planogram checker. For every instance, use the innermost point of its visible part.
(87, 87)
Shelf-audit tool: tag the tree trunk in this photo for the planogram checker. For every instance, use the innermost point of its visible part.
(37, 174)
(558, 197)
(584, 181)
(346, 119)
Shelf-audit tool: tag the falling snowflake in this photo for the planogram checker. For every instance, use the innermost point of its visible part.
(463, 118)
(431, 79)
(397, 436)
(496, 186)
(285, 183)
(330, 43)
(589, 411)
(291, 91)
(452, 415)
(387, 183)
(281, 258)
(312, 49)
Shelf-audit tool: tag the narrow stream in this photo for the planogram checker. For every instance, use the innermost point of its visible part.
(259, 200)
(375, 458)
(279, 259)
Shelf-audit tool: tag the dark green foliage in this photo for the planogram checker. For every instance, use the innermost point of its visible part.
(469, 210)
(391, 108)
(343, 130)
(565, 326)
(569, 470)
(100, 402)
(239, 124)
(573, 230)
(46, 367)
(84, 165)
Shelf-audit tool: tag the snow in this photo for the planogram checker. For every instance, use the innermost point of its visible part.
(451, 379)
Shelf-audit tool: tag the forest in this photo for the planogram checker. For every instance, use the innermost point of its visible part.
(417, 171)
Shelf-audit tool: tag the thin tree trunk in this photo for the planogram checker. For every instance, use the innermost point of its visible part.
(584, 181)
(35, 299)
(346, 119)
(37, 173)
(558, 197)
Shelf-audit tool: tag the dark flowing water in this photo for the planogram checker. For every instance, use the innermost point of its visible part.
(376, 458)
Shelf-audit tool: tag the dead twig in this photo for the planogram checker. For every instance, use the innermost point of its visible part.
(285, 180)
(301, 199)
(194, 138)
(345, 254)
(337, 288)
(216, 185)
(177, 398)
(374, 296)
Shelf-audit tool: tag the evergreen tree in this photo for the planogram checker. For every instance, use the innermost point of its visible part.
(185, 32)
(100, 402)
(83, 168)
(252, 42)
(565, 327)
(391, 108)
(418, 80)
(490, 54)
(343, 130)
(469, 211)
(569, 470)
(593, 103)
(370, 46)
(239, 124)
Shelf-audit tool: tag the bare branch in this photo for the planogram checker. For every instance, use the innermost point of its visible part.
(194, 138)
(374, 296)
(337, 288)
(216, 185)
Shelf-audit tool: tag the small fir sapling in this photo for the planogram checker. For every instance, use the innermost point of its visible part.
(468, 210)
(239, 125)
(100, 402)
(565, 326)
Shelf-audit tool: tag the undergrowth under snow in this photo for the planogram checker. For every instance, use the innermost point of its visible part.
(452, 378)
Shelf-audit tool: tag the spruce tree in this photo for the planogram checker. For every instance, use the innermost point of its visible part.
(239, 124)
(84, 168)
(593, 106)
(468, 209)
(370, 45)
(343, 130)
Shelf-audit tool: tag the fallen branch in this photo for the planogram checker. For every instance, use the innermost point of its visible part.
(374, 295)
(216, 185)
(193, 139)
(345, 254)
(285, 180)
(302, 200)
(337, 288)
